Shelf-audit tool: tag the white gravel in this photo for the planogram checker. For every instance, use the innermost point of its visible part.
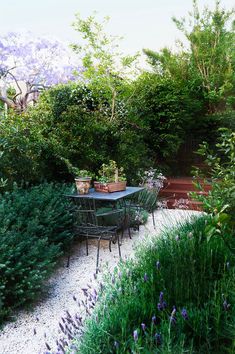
(19, 338)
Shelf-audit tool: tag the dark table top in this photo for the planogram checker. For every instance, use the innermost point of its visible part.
(107, 196)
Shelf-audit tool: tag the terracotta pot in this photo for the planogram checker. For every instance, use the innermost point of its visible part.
(110, 187)
(83, 184)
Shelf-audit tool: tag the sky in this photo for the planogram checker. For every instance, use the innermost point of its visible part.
(142, 23)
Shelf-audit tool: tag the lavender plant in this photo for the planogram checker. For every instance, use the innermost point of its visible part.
(176, 296)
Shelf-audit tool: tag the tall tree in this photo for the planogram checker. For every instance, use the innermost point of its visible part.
(29, 64)
(209, 64)
(104, 64)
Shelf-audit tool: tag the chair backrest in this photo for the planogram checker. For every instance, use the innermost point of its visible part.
(84, 211)
(148, 199)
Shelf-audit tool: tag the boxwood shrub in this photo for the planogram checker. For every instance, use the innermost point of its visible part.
(35, 228)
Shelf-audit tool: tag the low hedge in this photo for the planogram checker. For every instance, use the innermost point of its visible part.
(35, 227)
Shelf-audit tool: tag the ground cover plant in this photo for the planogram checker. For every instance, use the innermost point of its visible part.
(34, 231)
(178, 296)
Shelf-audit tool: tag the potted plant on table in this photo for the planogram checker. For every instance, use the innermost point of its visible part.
(110, 179)
(83, 181)
(82, 177)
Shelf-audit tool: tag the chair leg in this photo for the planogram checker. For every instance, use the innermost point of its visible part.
(129, 232)
(122, 234)
(87, 245)
(153, 220)
(119, 246)
(128, 225)
(69, 252)
(110, 240)
(98, 253)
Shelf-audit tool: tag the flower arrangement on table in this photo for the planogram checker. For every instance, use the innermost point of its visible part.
(152, 179)
(110, 179)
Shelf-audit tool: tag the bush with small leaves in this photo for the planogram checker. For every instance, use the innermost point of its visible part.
(35, 227)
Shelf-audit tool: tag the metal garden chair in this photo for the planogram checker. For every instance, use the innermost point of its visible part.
(145, 200)
(101, 224)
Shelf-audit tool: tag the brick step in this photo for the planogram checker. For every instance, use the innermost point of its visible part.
(189, 187)
(185, 184)
(182, 203)
(178, 193)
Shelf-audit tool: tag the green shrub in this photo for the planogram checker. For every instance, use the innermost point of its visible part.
(34, 229)
(177, 296)
(71, 122)
(21, 149)
(221, 199)
(166, 111)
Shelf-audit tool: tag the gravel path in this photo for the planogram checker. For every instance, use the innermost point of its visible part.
(27, 335)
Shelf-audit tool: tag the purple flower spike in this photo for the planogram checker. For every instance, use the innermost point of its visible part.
(158, 265)
(172, 320)
(158, 338)
(143, 326)
(145, 277)
(135, 335)
(154, 319)
(159, 307)
(184, 314)
(116, 344)
(172, 316)
(226, 305)
(162, 304)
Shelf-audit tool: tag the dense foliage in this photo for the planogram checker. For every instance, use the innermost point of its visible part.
(35, 229)
(207, 68)
(139, 119)
(221, 164)
(68, 123)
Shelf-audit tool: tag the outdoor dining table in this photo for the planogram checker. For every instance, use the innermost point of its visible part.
(113, 197)
(88, 208)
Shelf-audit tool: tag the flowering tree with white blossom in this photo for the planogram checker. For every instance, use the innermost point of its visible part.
(29, 64)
